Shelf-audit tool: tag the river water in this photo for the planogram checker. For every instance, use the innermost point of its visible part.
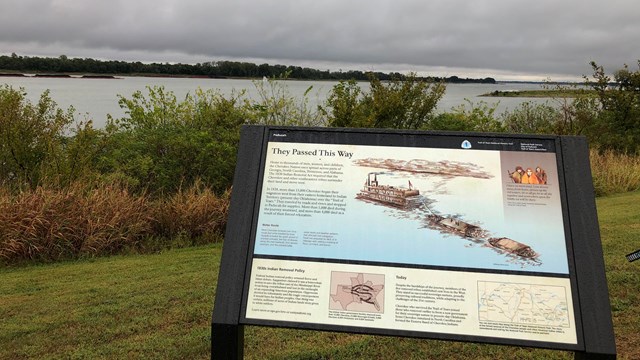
(95, 98)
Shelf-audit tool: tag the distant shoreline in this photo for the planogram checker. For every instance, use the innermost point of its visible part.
(54, 75)
(121, 76)
(9, 73)
(58, 75)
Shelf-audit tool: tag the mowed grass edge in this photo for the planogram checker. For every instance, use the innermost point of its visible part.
(159, 306)
(139, 306)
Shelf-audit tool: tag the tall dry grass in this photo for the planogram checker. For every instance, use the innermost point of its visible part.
(196, 213)
(52, 224)
(614, 173)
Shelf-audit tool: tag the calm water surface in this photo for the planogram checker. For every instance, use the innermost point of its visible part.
(95, 98)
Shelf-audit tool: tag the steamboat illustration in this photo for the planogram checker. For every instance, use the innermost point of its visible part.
(389, 195)
(410, 199)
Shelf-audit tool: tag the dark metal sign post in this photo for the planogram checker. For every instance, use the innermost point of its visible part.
(489, 238)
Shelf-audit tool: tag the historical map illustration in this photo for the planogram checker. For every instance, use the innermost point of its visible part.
(523, 304)
(357, 292)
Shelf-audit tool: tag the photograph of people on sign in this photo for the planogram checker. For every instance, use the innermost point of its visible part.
(461, 208)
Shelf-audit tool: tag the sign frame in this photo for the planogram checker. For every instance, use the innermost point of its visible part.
(594, 327)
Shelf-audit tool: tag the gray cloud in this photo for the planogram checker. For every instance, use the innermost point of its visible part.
(510, 37)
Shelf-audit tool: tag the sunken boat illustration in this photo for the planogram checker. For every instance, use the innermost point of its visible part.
(452, 225)
(513, 247)
(404, 198)
(475, 233)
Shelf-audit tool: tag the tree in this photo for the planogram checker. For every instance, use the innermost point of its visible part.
(404, 104)
(32, 139)
(347, 107)
(619, 120)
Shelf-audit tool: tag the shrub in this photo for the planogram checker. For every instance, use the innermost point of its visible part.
(32, 138)
(277, 106)
(164, 144)
(529, 118)
(407, 103)
(346, 104)
(470, 117)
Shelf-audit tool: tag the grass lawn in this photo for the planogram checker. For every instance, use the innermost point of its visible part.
(147, 306)
(159, 306)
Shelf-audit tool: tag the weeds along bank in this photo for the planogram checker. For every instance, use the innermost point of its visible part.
(160, 175)
(75, 221)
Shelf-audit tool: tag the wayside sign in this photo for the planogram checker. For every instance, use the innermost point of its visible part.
(488, 238)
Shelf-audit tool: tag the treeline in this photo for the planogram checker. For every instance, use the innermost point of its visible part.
(213, 69)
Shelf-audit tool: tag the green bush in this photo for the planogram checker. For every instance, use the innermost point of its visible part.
(31, 146)
(43, 144)
(618, 122)
(607, 112)
(407, 103)
(529, 118)
(467, 117)
(347, 105)
(163, 144)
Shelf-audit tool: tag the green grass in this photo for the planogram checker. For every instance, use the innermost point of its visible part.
(159, 306)
(619, 217)
(153, 306)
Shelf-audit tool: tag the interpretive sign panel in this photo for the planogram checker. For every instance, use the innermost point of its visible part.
(449, 236)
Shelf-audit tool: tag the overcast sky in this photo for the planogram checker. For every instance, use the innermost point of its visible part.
(505, 39)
